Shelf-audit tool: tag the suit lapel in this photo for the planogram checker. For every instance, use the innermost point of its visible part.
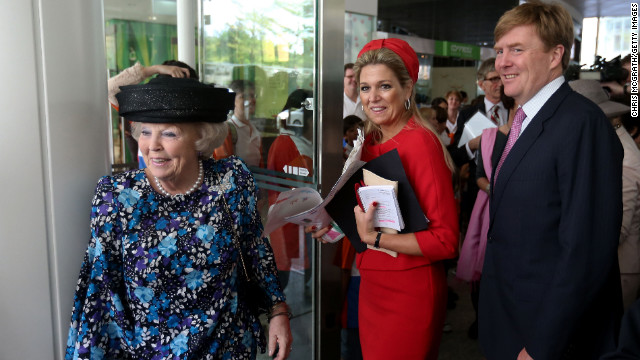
(462, 120)
(528, 137)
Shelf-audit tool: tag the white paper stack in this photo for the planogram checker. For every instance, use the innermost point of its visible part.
(473, 128)
(388, 213)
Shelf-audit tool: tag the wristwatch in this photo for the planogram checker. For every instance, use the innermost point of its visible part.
(377, 243)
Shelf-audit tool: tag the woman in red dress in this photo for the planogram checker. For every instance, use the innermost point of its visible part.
(403, 299)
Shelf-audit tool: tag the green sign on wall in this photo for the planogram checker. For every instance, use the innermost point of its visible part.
(454, 49)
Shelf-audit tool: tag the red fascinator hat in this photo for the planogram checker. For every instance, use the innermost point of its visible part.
(402, 49)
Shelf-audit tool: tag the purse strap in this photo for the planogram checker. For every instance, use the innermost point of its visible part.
(233, 230)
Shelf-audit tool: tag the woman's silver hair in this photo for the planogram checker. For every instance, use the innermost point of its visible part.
(209, 135)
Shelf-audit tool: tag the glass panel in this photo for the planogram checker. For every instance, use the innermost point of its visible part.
(358, 30)
(264, 51)
(423, 86)
(144, 32)
(612, 35)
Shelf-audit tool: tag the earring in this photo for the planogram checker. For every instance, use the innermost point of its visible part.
(362, 107)
(407, 104)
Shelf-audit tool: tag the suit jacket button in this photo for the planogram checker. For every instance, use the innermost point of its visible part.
(490, 238)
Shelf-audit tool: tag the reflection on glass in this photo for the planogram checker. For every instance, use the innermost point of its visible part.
(358, 30)
(264, 51)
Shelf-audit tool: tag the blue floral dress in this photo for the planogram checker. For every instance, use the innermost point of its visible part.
(159, 278)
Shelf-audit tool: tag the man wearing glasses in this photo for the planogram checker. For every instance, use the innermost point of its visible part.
(492, 107)
(489, 81)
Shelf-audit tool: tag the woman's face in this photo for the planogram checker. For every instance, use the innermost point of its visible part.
(431, 117)
(382, 95)
(453, 102)
(169, 151)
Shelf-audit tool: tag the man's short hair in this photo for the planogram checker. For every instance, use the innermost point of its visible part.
(347, 66)
(239, 86)
(552, 23)
(486, 67)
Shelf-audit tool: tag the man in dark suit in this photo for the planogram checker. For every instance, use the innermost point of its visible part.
(493, 108)
(550, 282)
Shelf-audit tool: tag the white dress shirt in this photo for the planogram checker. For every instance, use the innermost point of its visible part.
(533, 106)
(503, 113)
(249, 144)
(350, 107)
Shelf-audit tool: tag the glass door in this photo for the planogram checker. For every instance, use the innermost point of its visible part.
(265, 51)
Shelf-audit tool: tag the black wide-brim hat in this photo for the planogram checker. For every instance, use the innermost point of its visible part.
(175, 100)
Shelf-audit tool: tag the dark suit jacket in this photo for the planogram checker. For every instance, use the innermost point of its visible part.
(550, 280)
(459, 154)
(629, 346)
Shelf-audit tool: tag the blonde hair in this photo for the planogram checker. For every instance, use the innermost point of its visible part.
(209, 136)
(552, 22)
(384, 56)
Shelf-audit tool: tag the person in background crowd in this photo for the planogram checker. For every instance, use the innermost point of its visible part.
(402, 299)
(437, 116)
(439, 102)
(244, 140)
(345, 258)
(161, 275)
(464, 99)
(453, 109)
(629, 245)
(292, 153)
(136, 74)
(350, 126)
(351, 101)
(550, 281)
(620, 91)
(632, 125)
(493, 108)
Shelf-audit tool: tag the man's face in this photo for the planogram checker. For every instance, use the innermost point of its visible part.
(491, 86)
(524, 64)
(245, 101)
(350, 85)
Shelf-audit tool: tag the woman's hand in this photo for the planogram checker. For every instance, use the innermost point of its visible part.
(280, 334)
(364, 222)
(317, 233)
(171, 70)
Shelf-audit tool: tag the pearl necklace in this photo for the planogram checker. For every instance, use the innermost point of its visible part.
(191, 189)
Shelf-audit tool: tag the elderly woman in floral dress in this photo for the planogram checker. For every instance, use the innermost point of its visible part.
(161, 273)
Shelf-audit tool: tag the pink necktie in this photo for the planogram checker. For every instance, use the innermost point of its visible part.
(513, 136)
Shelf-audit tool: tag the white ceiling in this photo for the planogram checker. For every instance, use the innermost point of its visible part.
(600, 8)
(164, 11)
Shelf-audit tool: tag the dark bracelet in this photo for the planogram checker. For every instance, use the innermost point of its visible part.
(288, 313)
(377, 243)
